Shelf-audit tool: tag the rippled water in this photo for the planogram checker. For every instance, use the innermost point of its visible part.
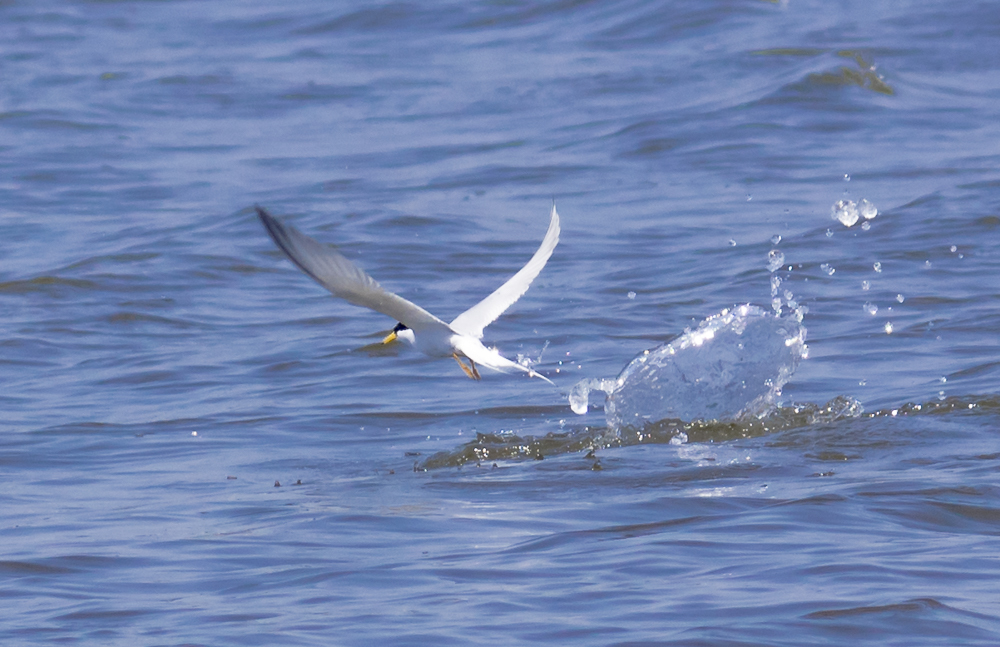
(193, 450)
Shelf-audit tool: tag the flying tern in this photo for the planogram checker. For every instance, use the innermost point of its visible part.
(430, 335)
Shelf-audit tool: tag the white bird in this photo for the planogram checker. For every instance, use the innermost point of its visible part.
(430, 335)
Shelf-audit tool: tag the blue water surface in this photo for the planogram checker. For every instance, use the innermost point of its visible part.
(194, 452)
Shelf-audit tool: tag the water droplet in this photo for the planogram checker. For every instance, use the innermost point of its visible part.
(631, 294)
(888, 327)
(829, 233)
(871, 308)
(788, 295)
(863, 383)
(579, 396)
(942, 379)
(846, 212)
(865, 226)
(775, 259)
(899, 297)
(927, 265)
(775, 239)
(865, 285)
(877, 266)
(847, 177)
(954, 249)
(867, 209)
(775, 284)
(826, 267)
(732, 243)
(749, 197)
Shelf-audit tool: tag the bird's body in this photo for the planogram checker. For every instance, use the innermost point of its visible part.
(428, 334)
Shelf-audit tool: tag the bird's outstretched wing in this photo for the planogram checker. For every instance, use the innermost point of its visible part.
(473, 320)
(342, 277)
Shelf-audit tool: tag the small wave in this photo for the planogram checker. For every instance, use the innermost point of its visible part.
(125, 258)
(503, 446)
(489, 448)
(130, 318)
(46, 284)
(508, 446)
(864, 76)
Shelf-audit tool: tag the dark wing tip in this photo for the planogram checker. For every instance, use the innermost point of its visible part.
(264, 216)
(274, 228)
(284, 236)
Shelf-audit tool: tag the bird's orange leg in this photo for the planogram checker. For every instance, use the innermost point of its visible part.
(473, 373)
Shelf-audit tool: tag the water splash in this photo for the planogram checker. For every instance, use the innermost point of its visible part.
(527, 361)
(775, 259)
(731, 367)
(867, 209)
(848, 212)
(579, 395)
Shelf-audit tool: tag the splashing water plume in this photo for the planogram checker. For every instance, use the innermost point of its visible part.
(731, 367)
(719, 381)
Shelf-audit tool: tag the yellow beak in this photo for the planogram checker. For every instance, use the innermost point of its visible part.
(391, 337)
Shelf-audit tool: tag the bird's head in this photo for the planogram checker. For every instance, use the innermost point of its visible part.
(400, 331)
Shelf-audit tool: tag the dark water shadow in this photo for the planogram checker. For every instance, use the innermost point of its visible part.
(506, 446)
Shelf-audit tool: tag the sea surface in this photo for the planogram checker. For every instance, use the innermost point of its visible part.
(194, 451)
